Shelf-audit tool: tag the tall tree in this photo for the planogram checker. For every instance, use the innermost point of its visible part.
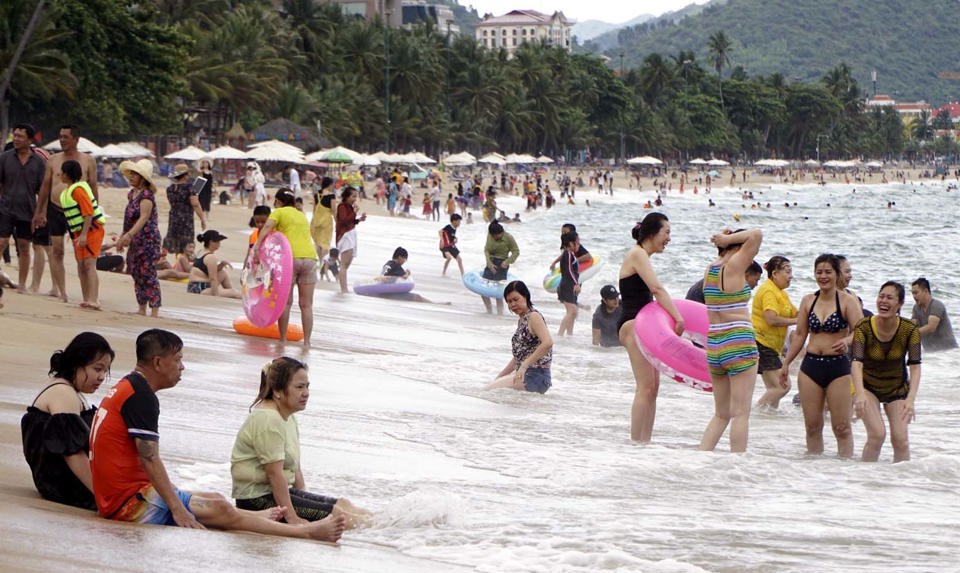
(719, 46)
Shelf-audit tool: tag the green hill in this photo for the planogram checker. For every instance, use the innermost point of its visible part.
(907, 43)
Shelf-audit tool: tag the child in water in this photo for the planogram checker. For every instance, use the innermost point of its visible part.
(393, 269)
(331, 264)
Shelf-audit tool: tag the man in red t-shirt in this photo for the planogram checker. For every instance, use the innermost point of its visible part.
(130, 482)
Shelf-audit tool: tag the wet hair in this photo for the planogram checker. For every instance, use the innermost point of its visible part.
(259, 210)
(400, 252)
(922, 283)
(722, 250)
(567, 238)
(84, 349)
(29, 129)
(455, 217)
(569, 226)
(901, 291)
(72, 170)
(495, 228)
(648, 227)
(286, 197)
(520, 287)
(74, 130)
(775, 263)
(754, 269)
(833, 260)
(157, 342)
(275, 377)
(347, 191)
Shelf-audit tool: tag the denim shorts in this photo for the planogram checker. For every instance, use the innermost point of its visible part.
(537, 380)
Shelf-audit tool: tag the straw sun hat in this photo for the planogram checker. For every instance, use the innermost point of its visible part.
(143, 168)
(180, 169)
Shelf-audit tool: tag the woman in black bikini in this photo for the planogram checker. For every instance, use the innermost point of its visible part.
(638, 287)
(56, 427)
(209, 275)
(830, 315)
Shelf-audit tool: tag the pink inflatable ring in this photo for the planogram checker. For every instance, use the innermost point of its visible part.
(267, 284)
(674, 355)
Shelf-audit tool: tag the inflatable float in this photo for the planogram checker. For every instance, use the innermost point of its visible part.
(266, 285)
(551, 282)
(387, 287)
(475, 283)
(676, 356)
(242, 325)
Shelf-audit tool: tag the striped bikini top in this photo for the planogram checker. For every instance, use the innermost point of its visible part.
(717, 300)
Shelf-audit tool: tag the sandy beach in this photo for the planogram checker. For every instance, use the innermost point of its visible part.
(222, 376)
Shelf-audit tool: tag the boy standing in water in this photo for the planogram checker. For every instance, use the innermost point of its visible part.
(448, 243)
(85, 223)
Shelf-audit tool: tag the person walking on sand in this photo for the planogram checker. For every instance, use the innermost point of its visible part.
(639, 286)
(348, 217)
(130, 480)
(532, 346)
(141, 232)
(85, 221)
(21, 178)
(49, 212)
(289, 221)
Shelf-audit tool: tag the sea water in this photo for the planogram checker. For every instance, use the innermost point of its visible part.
(508, 481)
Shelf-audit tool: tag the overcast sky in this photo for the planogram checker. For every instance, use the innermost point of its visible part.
(613, 11)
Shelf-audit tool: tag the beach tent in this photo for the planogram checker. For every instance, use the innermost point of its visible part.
(188, 153)
(644, 160)
(84, 145)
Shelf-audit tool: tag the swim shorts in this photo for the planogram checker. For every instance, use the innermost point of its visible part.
(146, 506)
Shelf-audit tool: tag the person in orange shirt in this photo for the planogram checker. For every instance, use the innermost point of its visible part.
(85, 223)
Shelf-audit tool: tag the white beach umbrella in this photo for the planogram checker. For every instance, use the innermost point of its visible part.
(493, 158)
(114, 151)
(337, 154)
(718, 163)
(811, 162)
(227, 152)
(422, 158)
(277, 144)
(383, 156)
(367, 161)
(188, 153)
(874, 164)
(275, 153)
(697, 161)
(460, 159)
(137, 149)
(544, 159)
(644, 160)
(84, 145)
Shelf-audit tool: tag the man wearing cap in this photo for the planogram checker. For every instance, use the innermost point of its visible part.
(21, 174)
(184, 202)
(49, 212)
(606, 319)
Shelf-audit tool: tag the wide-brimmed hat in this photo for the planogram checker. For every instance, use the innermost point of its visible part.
(180, 169)
(143, 168)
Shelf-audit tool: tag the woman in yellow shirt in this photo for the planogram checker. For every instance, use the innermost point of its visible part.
(772, 313)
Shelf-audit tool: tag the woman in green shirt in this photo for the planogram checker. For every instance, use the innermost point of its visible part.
(265, 463)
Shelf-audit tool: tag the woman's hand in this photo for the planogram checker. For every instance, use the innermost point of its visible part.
(678, 328)
(840, 346)
(784, 378)
(908, 412)
(859, 404)
(518, 377)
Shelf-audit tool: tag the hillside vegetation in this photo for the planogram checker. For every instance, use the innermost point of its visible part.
(907, 43)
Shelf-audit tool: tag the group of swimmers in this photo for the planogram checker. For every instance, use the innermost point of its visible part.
(107, 458)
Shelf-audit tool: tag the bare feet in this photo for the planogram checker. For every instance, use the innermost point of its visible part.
(155, 312)
(89, 306)
(273, 514)
(329, 528)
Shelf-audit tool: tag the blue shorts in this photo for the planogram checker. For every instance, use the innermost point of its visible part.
(146, 506)
(537, 380)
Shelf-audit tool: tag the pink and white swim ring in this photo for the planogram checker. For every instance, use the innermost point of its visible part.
(267, 284)
(676, 356)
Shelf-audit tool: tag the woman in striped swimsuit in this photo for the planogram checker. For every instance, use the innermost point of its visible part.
(731, 347)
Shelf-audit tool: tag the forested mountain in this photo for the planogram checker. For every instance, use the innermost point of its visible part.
(908, 43)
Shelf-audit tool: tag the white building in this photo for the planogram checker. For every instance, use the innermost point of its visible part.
(518, 27)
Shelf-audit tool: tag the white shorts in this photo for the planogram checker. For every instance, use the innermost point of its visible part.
(348, 242)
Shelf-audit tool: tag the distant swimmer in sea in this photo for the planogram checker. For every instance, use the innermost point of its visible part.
(639, 286)
(529, 368)
(881, 345)
(930, 315)
(827, 318)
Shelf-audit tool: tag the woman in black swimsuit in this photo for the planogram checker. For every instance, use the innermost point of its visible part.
(209, 275)
(828, 316)
(638, 287)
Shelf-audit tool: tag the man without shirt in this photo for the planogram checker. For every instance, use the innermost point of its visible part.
(49, 213)
(130, 481)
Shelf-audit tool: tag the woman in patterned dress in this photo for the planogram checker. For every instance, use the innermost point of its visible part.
(142, 234)
(183, 204)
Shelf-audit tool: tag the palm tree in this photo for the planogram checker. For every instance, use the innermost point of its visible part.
(719, 47)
